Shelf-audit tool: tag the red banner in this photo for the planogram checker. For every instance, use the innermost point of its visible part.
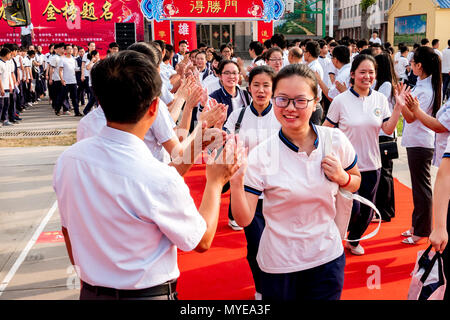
(265, 31)
(77, 22)
(161, 31)
(212, 9)
(185, 30)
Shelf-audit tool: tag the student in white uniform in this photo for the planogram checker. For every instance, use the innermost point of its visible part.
(67, 69)
(274, 58)
(123, 213)
(290, 170)
(311, 56)
(419, 140)
(255, 124)
(360, 113)
(386, 82)
(439, 124)
(401, 64)
(5, 85)
(341, 61)
(441, 204)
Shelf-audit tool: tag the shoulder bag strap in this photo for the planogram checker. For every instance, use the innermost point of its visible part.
(237, 126)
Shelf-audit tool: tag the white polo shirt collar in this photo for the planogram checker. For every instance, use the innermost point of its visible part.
(292, 146)
(357, 94)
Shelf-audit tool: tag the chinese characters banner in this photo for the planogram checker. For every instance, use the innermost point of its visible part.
(185, 30)
(265, 31)
(161, 31)
(77, 22)
(212, 9)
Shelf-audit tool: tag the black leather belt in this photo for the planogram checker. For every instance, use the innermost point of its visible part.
(165, 289)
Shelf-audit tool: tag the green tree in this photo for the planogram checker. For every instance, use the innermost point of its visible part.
(365, 4)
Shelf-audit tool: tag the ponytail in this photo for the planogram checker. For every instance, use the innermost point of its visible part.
(431, 66)
(436, 83)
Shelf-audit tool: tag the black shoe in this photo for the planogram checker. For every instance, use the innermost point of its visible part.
(78, 115)
(17, 118)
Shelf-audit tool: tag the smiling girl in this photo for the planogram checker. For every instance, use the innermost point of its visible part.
(300, 252)
(360, 113)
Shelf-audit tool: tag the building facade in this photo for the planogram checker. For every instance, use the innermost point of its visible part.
(349, 16)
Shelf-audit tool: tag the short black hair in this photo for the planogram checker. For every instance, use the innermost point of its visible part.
(256, 46)
(161, 43)
(259, 70)
(59, 45)
(182, 41)
(31, 53)
(403, 49)
(67, 45)
(267, 44)
(434, 42)
(113, 45)
(125, 85)
(296, 69)
(313, 48)
(424, 41)
(148, 49)
(223, 63)
(362, 43)
(4, 51)
(201, 45)
(342, 54)
(279, 39)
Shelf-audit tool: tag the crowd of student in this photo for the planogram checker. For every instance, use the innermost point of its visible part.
(154, 104)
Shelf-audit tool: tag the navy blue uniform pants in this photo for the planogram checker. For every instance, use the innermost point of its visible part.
(324, 282)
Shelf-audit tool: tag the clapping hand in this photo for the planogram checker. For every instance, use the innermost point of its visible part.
(341, 87)
(401, 92)
(412, 103)
(222, 165)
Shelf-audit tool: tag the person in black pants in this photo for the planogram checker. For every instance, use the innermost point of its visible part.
(81, 90)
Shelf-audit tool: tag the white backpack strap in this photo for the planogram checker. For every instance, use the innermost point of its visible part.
(371, 205)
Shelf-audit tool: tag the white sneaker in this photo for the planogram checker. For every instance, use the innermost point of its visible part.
(233, 225)
(258, 296)
(357, 251)
(7, 123)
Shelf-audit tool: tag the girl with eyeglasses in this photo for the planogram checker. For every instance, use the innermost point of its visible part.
(254, 125)
(360, 113)
(274, 58)
(230, 93)
(300, 252)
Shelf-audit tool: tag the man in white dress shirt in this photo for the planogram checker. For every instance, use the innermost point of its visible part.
(446, 70)
(124, 213)
(375, 38)
(27, 35)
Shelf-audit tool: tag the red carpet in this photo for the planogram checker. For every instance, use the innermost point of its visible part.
(222, 273)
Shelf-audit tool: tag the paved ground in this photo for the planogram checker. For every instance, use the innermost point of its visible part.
(33, 259)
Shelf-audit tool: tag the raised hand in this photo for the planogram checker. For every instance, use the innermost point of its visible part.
(401, 91)
(412, 102)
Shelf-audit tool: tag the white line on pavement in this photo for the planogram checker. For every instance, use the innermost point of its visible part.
(25, 251)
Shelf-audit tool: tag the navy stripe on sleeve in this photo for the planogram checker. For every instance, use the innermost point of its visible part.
(386, 119)
(252, 190)
(353, 164)
(332, 122)
(446, 155)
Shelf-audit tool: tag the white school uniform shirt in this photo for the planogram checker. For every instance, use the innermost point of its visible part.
(443, 116)
(26, 30)
(397, 55)
(211, 83)
(85, 59)
(126, 212)
(299, 201)
(447, 150)
(400, 67)
(316, 66)
(361, 118)
(26, 64)
(343, 76)
(285, 58)
(4, 76)
(166, 96)
(446, 60)
(161, 130)
(410, 56)
(386, 90)
(55, 61)
(416, 134)
(326, 64)
(376, 40)
(69, 65)
(438, 53)
(18, 59)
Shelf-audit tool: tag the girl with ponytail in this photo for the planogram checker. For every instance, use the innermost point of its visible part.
(419, 140)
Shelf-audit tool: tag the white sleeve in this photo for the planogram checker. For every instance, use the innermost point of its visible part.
(231, 121)
(334, 112)
(174, 212)
(162, 127)
(444, 118)
(253, 181)
(343, 149)
(385, 89)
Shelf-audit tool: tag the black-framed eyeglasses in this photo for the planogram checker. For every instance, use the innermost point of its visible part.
(299, 103)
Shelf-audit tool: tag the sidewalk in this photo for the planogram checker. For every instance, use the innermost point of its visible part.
(33, 258)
